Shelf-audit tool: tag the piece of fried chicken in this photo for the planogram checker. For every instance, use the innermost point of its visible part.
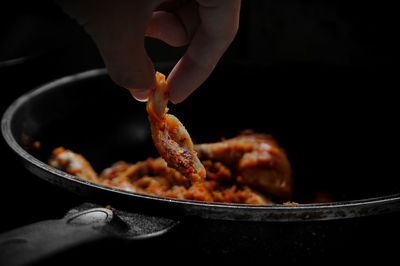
(257, 158)
(170, 137)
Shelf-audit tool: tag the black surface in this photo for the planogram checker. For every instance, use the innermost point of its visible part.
(87, 223)
(311, 36)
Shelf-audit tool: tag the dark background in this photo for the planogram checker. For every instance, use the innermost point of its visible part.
(352, 39)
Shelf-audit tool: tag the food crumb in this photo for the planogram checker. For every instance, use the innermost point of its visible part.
(292, 203)
(36, 144)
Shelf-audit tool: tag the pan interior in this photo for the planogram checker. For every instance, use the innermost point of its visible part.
(337, 138)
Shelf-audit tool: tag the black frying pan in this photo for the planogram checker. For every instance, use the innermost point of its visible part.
(324, 131)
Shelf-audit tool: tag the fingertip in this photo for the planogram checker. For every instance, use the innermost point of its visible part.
(177, 99)
(180, 89)
(140, 95)
(185, 78)
(137, 74)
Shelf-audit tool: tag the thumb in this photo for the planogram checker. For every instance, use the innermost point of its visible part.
(118, 29)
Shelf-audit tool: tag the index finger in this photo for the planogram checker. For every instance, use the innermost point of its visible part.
(219, 22)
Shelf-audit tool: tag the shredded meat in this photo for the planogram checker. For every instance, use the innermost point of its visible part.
(153, 176)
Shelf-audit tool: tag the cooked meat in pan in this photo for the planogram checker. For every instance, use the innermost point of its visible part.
(246, 169)
(256, 159)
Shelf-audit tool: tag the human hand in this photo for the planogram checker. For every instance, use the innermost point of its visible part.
(118, 28)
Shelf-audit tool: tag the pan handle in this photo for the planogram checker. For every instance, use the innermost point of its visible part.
(41, 240)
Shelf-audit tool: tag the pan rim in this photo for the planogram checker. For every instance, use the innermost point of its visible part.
(21, 152)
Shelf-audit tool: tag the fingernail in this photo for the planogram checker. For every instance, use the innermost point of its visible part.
(140, 95)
